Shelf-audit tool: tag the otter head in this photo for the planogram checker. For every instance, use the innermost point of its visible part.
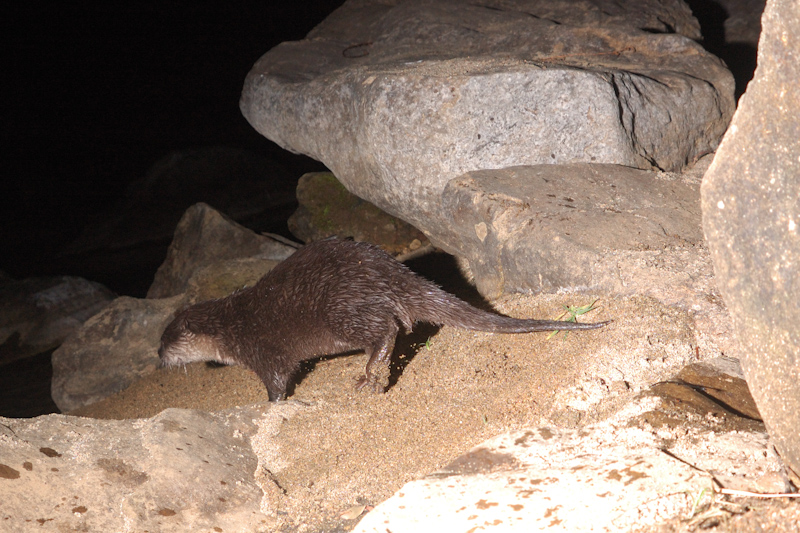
(190, 338)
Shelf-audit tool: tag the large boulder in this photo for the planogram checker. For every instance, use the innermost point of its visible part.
(205, 236)
(751, 216)
(397, 98)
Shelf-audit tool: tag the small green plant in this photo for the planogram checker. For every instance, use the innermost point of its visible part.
(697, 500)
(573, 311)
(427, 344)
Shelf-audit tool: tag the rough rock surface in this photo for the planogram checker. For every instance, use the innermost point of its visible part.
(720, 380)
(751, 216)
(652, 460)
(604, 477)
(331, 450)
(398, 98)
(37, 314)
(110, 351)
(603, 227)
(205, 236)
(327, 208)
(548, 227)
(178, 471)
(662, 458)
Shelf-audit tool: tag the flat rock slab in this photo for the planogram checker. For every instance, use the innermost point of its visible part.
(555, 480)
(397, 98)
(546, 227)
(178, 471)
(617, 475)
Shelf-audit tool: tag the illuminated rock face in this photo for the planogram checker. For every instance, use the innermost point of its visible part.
(399, 98)
(181, 470)
(751, 217)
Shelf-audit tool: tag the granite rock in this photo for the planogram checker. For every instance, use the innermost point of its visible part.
(205, 236)
(397, 98)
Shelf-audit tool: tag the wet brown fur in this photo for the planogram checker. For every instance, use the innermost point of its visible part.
(329, 297)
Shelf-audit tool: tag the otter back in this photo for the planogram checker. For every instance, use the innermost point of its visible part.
(329, 297)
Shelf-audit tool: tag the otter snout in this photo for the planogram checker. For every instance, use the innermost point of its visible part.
(161, 351)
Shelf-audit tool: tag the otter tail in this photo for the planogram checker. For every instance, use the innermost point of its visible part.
(442, 308)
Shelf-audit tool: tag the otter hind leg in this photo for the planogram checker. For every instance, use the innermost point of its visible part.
(276, 385)
(379, 355)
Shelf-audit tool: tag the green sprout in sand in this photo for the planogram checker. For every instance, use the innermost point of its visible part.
(573, 311)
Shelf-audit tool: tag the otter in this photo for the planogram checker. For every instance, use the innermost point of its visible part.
(332, 296)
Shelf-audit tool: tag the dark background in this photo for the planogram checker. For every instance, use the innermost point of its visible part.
(96, 93)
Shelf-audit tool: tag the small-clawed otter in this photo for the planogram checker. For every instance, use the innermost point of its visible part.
(329, 297)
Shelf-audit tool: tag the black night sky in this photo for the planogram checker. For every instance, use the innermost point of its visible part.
(96, 93)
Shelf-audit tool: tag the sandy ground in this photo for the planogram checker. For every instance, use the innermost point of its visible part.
(450, 390)
(330, 448)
